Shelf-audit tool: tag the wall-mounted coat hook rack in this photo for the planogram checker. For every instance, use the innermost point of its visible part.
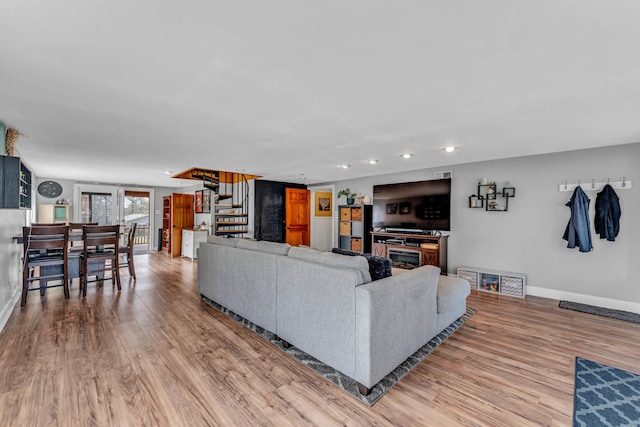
(597, 186)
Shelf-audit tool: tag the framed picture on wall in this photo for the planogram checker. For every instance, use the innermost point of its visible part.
(198, 201)
(206, 201)
(323, 203)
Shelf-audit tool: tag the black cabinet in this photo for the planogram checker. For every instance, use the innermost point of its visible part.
(15, 184)
(269, 209)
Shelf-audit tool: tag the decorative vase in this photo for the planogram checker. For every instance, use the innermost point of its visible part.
(367, 199)
(350, 200)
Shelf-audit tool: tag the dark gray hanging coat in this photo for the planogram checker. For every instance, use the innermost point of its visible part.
(607, 219)
(578, 231)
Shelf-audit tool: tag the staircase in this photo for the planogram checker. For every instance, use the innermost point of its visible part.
(230, 197)
(210, 179)
(231, 207)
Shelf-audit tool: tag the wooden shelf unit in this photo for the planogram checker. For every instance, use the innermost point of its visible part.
(177, 214)
(355, 228)
(432, 249)
(166, 223)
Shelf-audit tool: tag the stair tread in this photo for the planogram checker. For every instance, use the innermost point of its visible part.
(206, 177)
(228, 205)
(231, 232)
(230, 214)
(232, 223)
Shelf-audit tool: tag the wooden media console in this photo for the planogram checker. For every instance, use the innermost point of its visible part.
(408, 250)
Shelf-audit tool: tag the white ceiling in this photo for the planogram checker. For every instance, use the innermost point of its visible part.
(119, 91)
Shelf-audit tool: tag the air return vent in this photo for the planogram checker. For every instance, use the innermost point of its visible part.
(443, 174)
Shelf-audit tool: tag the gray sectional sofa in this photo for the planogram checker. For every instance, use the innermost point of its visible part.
(326, 305)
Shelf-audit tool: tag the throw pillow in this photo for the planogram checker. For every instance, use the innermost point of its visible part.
(379, 267)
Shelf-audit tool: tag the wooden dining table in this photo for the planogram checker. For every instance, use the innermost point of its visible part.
(74, 236)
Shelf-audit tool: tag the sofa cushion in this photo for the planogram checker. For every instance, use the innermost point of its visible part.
(451, 292)
(379, 267)
(225, 241)
(358, 263)
(264, 246)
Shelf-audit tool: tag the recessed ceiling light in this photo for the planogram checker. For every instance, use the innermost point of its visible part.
(373, 162)
(407, 156)
(345, 166)
(449, 148)
(168, 172)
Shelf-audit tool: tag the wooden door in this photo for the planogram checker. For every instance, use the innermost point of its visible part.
(297, 217)
(181, 217)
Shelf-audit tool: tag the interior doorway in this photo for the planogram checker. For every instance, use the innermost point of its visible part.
(136, 209)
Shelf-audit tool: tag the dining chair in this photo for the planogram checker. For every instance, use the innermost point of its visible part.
(75, 249)
(45, 248)
(127, 251)
(76, 227)
(100, 251)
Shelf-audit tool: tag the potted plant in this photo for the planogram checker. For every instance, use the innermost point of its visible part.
(348, 194)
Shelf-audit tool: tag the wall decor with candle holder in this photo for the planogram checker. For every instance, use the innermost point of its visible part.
(487, 197)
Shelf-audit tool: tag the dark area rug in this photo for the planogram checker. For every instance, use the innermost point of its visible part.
(601, 311)
(337, 377)
(605, 396)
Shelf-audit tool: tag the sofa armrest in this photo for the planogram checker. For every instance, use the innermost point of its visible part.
(395, 316)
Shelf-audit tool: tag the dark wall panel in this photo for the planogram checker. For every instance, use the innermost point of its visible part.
(269, 209)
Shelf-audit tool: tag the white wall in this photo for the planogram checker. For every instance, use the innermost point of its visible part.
(528, 238)
(11, 223)
(322, 226)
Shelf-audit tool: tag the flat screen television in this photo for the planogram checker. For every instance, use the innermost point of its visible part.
(418, 206)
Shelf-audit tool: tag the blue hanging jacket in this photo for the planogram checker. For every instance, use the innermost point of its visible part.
(578, 231)
(607, 219)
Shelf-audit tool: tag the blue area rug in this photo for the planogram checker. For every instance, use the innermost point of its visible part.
(338, 378)
(605, 396)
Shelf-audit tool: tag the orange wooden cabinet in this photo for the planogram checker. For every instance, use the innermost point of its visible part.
(177, 214)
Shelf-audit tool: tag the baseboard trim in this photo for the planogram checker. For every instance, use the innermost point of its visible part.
(614, 304)
(633, 307)
(8, 308)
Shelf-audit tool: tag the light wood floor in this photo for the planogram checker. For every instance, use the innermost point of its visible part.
(154, 354)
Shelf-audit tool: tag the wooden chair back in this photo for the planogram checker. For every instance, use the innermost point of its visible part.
(45, 247)
(77, 226)
(43, 237)
(100, 238)
(131, 235)
(127, 251)
(100, 245)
